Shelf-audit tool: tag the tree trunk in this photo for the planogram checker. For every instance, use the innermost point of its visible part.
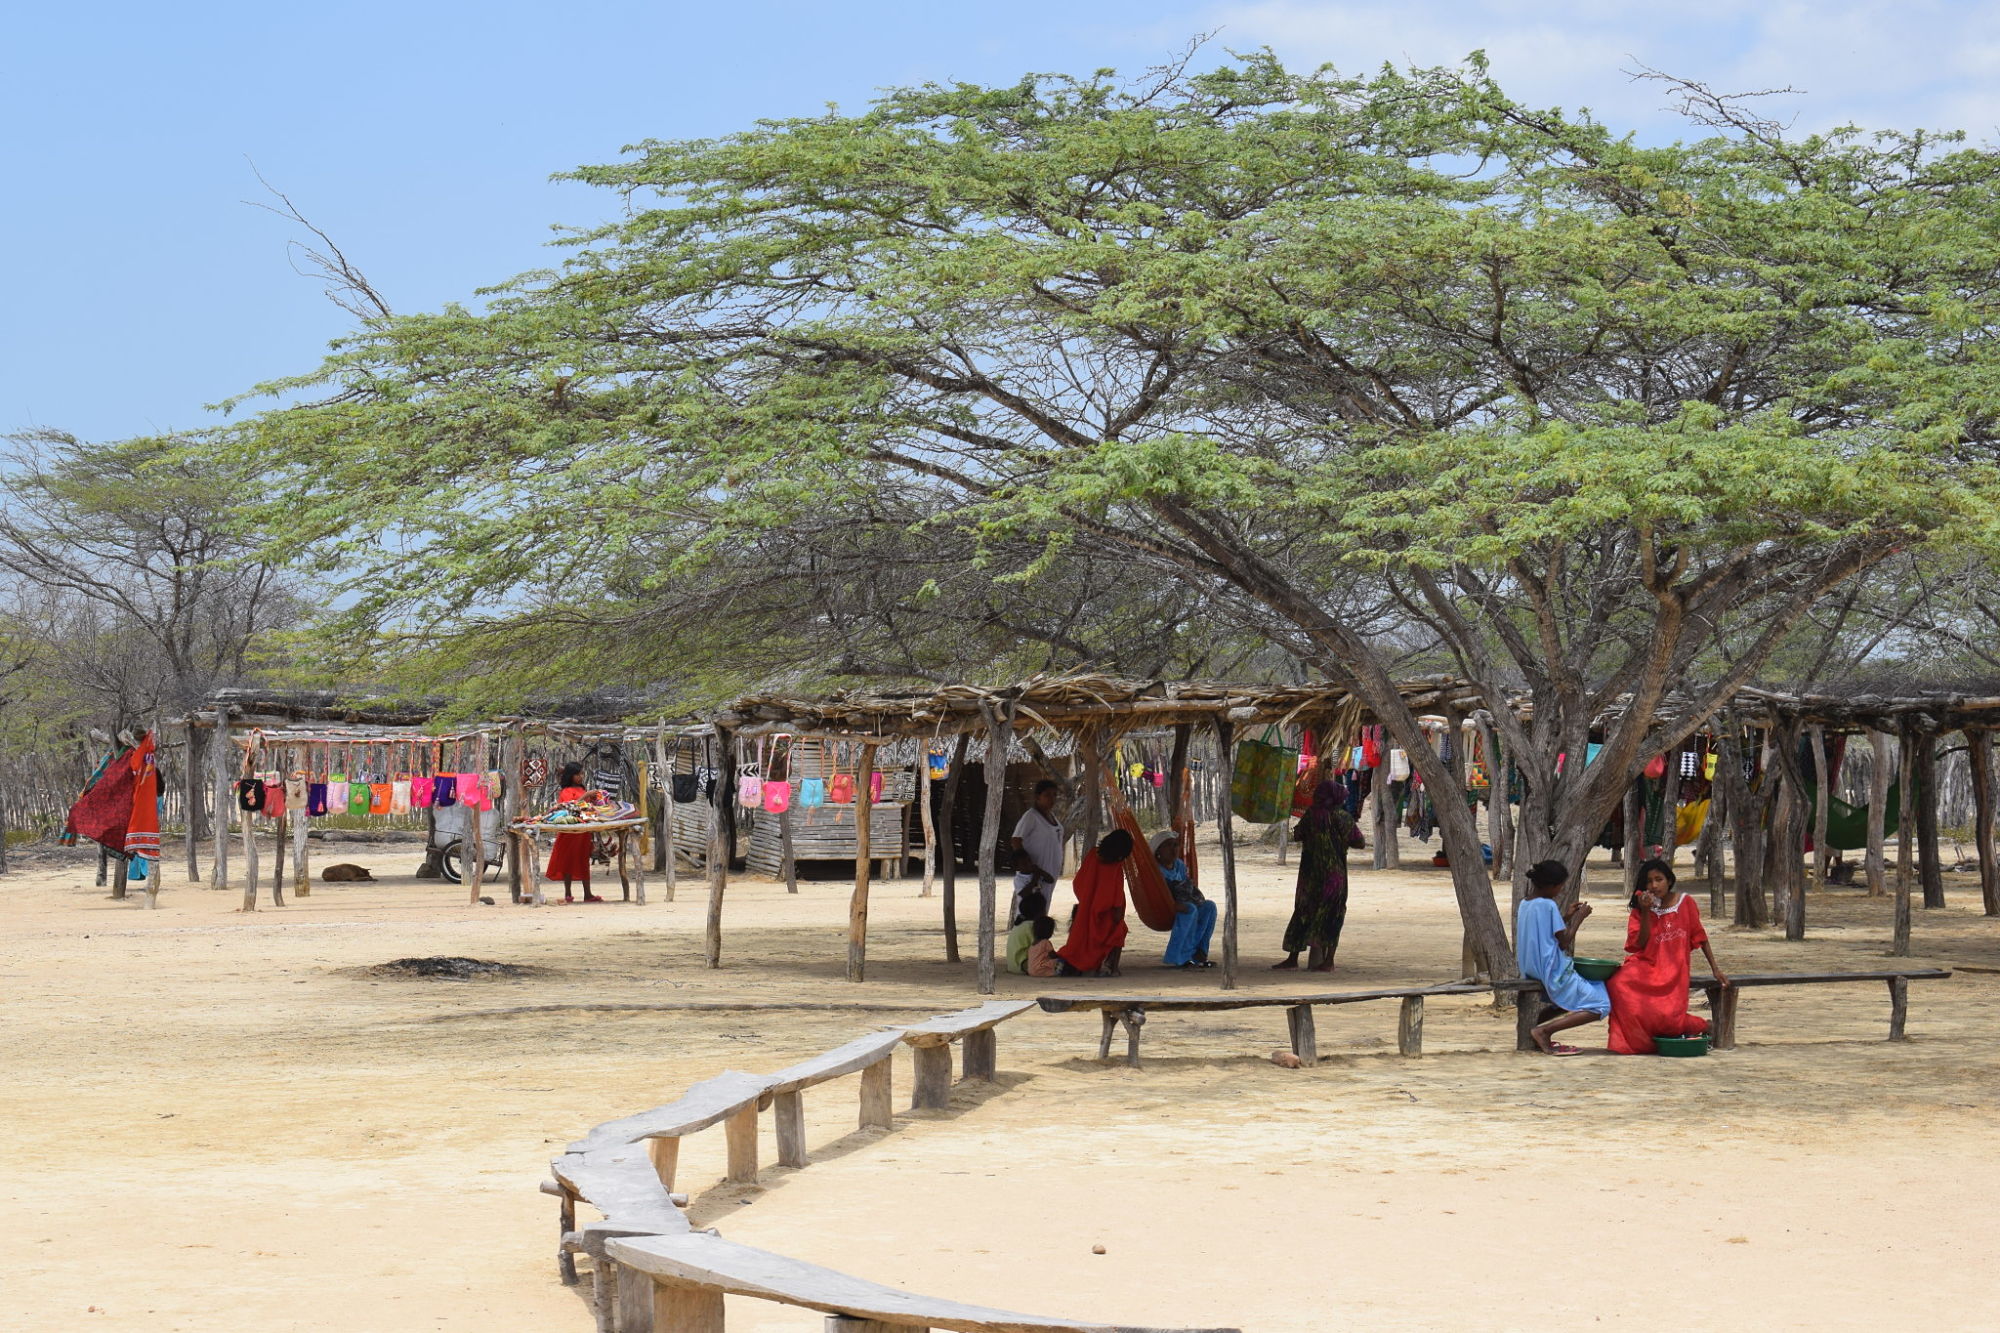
(1979, 746)
(1931, 867)
(1225, 821)
(1878, 814)
(999, 729)
(948, 834)
(1670, 801)
(1176, 765)
(721, 842)
(857, 910)
(1899, 938)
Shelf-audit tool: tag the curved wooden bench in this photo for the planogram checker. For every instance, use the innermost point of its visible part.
(1131, 1011)
(930, 1048)
(867, 1056)
(691, 1275)
(731, 1096)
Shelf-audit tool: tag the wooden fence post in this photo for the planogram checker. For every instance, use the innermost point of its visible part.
(720, 845)
(1979, 746)
(1878, 815)
(948, 837)
(1225, 818)
(999, 731)
(857, 909)
(221, 748)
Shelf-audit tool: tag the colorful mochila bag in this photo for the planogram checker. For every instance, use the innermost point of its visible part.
(841, 790)
(1260, 784)
(777, 790)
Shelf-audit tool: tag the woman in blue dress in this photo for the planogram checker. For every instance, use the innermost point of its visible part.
(1544, 940)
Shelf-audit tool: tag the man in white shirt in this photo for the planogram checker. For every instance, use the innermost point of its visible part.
(1038, 846)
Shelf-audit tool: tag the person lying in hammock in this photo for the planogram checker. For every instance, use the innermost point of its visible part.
(1097, 928)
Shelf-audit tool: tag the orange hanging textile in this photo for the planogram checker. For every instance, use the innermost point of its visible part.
(1144, 880)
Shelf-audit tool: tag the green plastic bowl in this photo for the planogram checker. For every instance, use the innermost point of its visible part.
(1681, 1048)
(1597, 969)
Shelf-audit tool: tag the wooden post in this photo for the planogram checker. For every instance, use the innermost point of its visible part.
(1498, 831)
(1224, 757)
(840, 1323)
(948, 846)
(278, 858)
(1670, 802)
(666, 1155)
(877, 1095)
(857, 909)
(249, 861)
(1878, 814)
(740, 1134)
(1899, 1006)
(928, 816)
(1305, 1041)
(1822, 803)
(511, 757)
(1635, 826)
(1528, 1003)
(1929, 866)
(1979, 746)
(191, 785)
(1089, 743)
(1899, 938)
(663, 849)
(682, 1309)
(788, 861)
(788, 1122)
(121, 877)
(1410, 1025)
(222, 748)
(1177, 787)
(931, 1087)
(999, 731)
(979, 1055)
(719, 848)
(1724, 1035)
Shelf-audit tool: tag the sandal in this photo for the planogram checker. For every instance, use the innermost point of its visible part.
(1558, 1048)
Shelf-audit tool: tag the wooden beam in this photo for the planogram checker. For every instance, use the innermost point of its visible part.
(999, 731)
(1899, 937)
(719, 848)
(1822, 805)
(221, 751)
(948, 848)
(857, 909)
(1929, 865)
(191, 786)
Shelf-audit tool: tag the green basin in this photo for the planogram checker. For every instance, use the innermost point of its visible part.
(1681, 1047)
(1597, 969)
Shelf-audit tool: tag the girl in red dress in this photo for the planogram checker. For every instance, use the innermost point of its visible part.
(569, 859)
(1097, 930)
(1649, 994)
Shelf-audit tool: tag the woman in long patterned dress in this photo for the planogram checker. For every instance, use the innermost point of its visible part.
(1319, 907)
(1649, 994)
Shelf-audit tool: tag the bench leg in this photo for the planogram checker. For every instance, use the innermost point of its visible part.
(1724, 1026)
(981, 1056)
(740, 1131)
(1305, 1041)
(1133, 1019)
(840, 1323)
(933, 1080)
(1410, 1026)
(1899, 1007)
(637, 1303)
(666, 1154)
(679, 1309)
(565, 1223)
(604, 1291)
(877, 1093)
(1527, 1003)
(788, 1119)
(1110, 1026)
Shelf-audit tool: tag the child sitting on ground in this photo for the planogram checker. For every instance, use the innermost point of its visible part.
(1544, 940)
(1042, 953)
(1021, 937)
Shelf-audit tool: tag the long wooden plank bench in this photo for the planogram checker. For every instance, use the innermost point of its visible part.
(1130, 1011)
(867, 1056)
(691, 1275)
(1722, 1000)
(930, 1048)
(731, 1098)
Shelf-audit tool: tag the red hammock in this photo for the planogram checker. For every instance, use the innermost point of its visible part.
(104, 813)
(1143, 879)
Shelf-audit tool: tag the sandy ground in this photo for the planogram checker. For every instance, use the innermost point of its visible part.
(223, 1122)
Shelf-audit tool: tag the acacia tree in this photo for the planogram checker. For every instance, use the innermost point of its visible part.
(1607, 419)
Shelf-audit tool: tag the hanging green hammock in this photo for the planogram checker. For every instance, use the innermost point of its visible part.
(1847, 825)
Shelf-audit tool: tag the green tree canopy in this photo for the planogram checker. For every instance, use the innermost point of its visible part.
(1602, 421)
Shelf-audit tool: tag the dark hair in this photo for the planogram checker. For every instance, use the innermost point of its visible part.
(571, 771)
(1045, 927)
(1034, 903)
(1047, 784)
(1548, 874)
(1645, 870)
(1117, 845)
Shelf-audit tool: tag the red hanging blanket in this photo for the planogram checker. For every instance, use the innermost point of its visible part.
(104, 813)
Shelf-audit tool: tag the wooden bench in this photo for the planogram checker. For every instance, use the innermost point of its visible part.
(1131, 1011)
(691, 1274)
(930, 1048)
(868, 1056)
(730, 1098)
(1722, 1000)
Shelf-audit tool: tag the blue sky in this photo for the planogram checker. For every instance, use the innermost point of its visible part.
(422, 135)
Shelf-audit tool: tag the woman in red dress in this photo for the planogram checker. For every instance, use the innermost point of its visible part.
(1649, 994)
(569, 859)
(1097, 930)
